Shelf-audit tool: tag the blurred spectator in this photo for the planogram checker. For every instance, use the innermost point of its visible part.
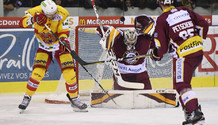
(71, 3)
(142, 4)
(86, 4)
(119, 4)
(177, 3)
(189, 3)
(58, 2)
(11, 4)
(36, 2)
(214, 6)
(26, 3)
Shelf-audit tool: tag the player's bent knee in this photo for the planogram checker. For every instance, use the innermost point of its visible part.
(69, 76)
(38, 73)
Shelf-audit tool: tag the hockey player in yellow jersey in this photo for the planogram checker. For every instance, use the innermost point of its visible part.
(56, 18)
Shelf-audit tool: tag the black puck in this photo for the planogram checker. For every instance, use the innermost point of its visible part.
(122, 18)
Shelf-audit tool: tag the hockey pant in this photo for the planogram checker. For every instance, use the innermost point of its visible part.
(42, 60)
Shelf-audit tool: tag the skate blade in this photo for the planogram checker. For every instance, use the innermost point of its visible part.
(21, 111)
(80, 110)
(200, 123)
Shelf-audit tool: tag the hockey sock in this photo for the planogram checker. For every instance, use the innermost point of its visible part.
(72, 89)
(190, 100)
(32, 85)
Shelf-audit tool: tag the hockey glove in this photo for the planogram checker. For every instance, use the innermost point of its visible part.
(40, 19)
(154, 56)
(64, 44)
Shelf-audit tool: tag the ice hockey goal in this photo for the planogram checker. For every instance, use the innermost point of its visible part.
(85, 41)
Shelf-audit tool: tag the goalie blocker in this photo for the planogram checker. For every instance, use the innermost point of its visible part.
(137, 99)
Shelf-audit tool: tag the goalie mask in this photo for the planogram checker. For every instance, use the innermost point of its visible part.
(48, 7)
(144, 24)
(130, 38)
(165, 2)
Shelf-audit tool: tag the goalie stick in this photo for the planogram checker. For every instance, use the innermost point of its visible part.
(81, 65)
(82, 62)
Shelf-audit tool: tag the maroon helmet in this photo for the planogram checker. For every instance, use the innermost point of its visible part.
(165, 2)
(144, 24)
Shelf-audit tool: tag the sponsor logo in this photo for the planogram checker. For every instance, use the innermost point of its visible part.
(82, 22)
(185, 99)
(40, 62)
(67, 64)
(191, 45)
(32, 84)
(179, 70)
(105, 22)
(9, 22)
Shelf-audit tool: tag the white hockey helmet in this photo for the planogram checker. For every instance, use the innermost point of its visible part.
(48, 7)
(130, 38)
(165, 2)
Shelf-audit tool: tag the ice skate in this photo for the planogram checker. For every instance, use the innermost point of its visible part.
(25, 103)
(77, 105)
(194, 118)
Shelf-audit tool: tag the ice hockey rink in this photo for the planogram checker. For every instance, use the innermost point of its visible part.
(41, 113)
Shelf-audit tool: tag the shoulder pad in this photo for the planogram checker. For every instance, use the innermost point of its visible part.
(63, 12)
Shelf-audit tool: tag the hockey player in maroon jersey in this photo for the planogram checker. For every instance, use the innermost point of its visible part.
(55, 17)
(182, 32)
(129, 43)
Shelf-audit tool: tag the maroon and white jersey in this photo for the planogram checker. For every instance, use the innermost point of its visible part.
(183, 30)
(131, 66)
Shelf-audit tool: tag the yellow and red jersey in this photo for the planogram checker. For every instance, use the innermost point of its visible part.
(59, 26)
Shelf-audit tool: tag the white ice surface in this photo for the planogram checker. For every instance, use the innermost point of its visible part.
(41, 113)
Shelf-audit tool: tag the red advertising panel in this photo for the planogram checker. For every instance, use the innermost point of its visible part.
(9, 22)
(106, 20)
(208, 18)
(13, 22)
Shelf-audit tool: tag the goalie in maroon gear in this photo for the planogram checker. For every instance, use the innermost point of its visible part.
(129, 43)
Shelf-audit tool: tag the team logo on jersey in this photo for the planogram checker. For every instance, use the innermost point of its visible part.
(131, 53)
(48, 38)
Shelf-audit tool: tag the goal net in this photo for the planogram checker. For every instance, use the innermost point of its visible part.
(85, 41)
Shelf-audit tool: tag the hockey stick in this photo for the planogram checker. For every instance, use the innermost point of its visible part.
(98, 19)
(82, 62)
(81, 65)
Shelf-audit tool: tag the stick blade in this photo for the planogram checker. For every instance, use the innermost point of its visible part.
(131, 85)
(77, 58)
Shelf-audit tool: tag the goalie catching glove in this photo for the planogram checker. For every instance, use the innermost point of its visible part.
(40, 19)
(64, 44)
(154, 55)
(108, 38)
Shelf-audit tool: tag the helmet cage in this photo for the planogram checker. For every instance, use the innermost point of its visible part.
(130, 38)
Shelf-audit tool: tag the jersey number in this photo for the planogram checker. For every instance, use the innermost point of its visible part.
(185, 34)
